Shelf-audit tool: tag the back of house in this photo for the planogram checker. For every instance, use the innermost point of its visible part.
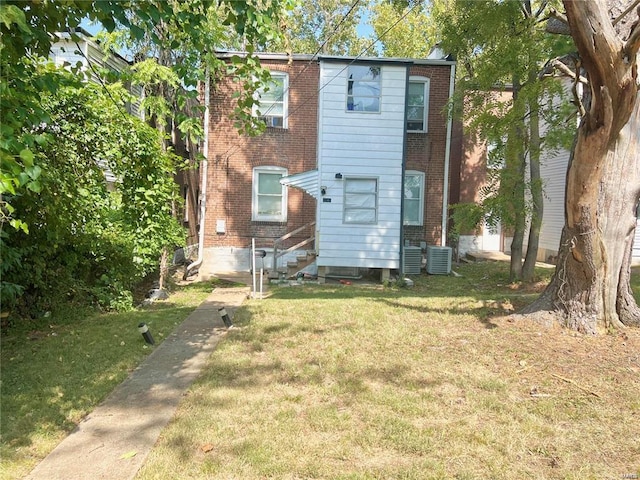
(352, 169)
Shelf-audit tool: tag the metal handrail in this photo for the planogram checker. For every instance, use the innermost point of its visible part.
(278, 241)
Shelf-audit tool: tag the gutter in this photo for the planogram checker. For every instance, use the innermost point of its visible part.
(447, 161)
(203, 179)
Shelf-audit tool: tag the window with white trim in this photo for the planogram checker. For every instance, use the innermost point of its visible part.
(360, 200)
(269, 202)
(363, 89)
(273, 101)
(418, 104)
(413, 209)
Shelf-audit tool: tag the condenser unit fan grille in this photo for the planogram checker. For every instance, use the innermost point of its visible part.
(412, 260)
(438, 260)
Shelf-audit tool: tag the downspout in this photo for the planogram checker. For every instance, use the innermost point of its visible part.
(404, 168)
(203, 177)
(447, 161)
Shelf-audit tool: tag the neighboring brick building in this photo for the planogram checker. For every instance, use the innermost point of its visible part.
(342, 136)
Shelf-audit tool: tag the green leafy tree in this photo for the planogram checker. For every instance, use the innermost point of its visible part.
(503, 47)
(87, 241)
(328, 27)
(414, 31)
(191, 28)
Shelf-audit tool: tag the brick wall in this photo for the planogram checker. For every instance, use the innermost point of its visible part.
(426, 153)
(232, 158)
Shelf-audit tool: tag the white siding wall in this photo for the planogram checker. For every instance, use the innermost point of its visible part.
(553, 171)
(365, 145)
(65, 50)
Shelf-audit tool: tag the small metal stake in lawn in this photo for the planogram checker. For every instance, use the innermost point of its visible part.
(225, 317)
(146, 334)
(261, 254)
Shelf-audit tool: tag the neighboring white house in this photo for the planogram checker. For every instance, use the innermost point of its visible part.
(86, 53)
(553, 170)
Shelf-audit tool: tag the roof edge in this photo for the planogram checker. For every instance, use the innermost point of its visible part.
(336, 58)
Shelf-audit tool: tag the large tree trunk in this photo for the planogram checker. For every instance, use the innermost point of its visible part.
(591, 285)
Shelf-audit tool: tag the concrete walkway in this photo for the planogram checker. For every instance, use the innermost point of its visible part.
(113, 441)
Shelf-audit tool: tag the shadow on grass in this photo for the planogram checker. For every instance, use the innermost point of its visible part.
(482, 291)
(56, 372)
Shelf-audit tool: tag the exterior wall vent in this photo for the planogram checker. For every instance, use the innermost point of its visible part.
(438, 260)
(412, 260)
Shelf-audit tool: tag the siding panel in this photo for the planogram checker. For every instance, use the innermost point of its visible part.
(360, 145)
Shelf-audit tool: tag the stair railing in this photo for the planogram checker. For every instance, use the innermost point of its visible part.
(277, 244)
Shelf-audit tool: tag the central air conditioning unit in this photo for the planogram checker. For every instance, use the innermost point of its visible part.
(438, 260)
(412, 260)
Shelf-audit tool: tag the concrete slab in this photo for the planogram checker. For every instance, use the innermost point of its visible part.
(113, 441)
(483, 256)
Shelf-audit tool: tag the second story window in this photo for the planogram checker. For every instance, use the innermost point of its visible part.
(418, 104)
(363, 89)
(273, 101)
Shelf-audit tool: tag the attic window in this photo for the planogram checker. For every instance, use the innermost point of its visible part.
(363, 89)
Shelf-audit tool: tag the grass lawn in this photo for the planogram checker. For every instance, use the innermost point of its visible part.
(352, 382)
(432, 382)
(54, 371)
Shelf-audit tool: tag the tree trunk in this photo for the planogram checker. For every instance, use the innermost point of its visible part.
(591, 286)
(515, 165)
(537, 200)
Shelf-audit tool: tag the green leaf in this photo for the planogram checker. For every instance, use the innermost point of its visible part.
(34, 187)
(27, 157)
(136, 32)
(10, 14)
(19, 225)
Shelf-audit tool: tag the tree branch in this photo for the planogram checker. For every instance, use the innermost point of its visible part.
(623, 14)
(632, 45)
(557, 23)
(557, 64)
(596, 41)
(543, 5)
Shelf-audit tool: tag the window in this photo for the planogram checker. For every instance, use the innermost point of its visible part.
(413, 197)
(361, 200)
(269, 203)
(418, 104)
(273, 101)
(363, 89)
